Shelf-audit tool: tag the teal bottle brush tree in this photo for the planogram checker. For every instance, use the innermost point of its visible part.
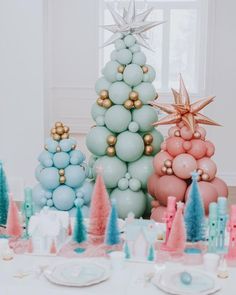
(4, 199)
(123, 142)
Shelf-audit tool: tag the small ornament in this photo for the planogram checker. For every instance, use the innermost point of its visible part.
(128, 104)
(186, 278)
(61, 172)
(58, 124)
(111, 151)
(45, 147)
(58, 149)
(60, 130)
(62, 179)
(107, 103)
(111, 140)
(168, 163)
(138, 104)
(177, 133)
(205, 177)
(148, 139)
(56, 137)
(133, 95)
(169, 171)
(104, 94)
(145, 69)
(197, 134)
(164, 169)
(121, 69)
(148, 150)
(100, 102)
(66, 129)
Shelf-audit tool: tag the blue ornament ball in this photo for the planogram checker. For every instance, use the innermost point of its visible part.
(97, 111)
(123, 184)
(49, 178)
(75, 175)
(145, 117)
(117, 118)
(134, 48)
(51, 145)
(102, 84)
(110, 71)
(63, 197)
(119, 92)
(186, 278)
(133, 75)
(86, 191)
(76, 157)
(38, 193)
(61, 160)
(38, 170)
(134, 184)
(124, 56)
(139, 58)
(146, 92)
(119, 44)
(129, 40)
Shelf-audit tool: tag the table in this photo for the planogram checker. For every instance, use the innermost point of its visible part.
(129, 281)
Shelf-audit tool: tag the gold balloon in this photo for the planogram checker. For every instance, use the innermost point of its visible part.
(56, 137)
(169, 171)
(65, 136)
(205, 177)
(107, 103)
(133, 95)
(164, 169)
(148, 139)
(197, 134)
(66, 129)
(45, 147)
(62, 179)
(128, 104)
(138, 104)
(53, 131)
(73, 146)
(145, 69)
(58, 124)
(58, 149)
(121, 69)
(61, 172)
(168, 163)
(177, 133)
(104, 94)
(111, 151)
(100, 102)
(60, 130)
(148, 150)
(111, 140)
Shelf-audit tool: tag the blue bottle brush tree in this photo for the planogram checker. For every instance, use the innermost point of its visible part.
(4, 200)
(112, 230)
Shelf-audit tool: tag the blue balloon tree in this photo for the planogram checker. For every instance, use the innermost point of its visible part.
(62, 174)
(123, 142)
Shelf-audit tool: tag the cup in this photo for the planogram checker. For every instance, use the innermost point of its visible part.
(117, 259)
(211, 261)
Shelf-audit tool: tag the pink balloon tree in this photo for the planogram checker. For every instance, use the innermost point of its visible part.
(185, 150)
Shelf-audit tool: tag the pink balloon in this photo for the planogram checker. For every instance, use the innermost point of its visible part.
(186, 133)
(221, 187)
(155, 204)
(202, 131)
(171, 131)
(181, 124)
(198, 149)
(208, 192)
(158, 161)
(163, 146)
(158, 214)
(187, 145)
(208, 166)
(175, 146)
(151, 184)
(210, 148)
(170, 185)
(183, 165)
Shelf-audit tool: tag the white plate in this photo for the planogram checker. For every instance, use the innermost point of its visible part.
(78, 273)
(203, 283)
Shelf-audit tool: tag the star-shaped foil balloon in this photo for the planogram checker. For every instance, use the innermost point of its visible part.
(130, 23)
(183, 110)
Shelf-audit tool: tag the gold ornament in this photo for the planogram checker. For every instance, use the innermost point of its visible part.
(58, 124)
(121, 69)
(56, 137)
(45, 147)
(169, 171)
(145, 69)
(168, 163)
(107, 103)
(111, 140)
(60, 130)
(65, 136)
(58, 149)
(133, 95)
(53, 131)
(62, 179)
(200, 171)
(177, 133)
(197, 134)
(148, 139)
(61, 172)
(138, 104)
(205, 177)
(66, 129)
(73, 146)
(111, 151)
(128, 104)
(148, 150)
(100, 102)
(164, 169)
(104, 94)
(182, 110)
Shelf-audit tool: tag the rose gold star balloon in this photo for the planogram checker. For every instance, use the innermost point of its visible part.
(183, 110)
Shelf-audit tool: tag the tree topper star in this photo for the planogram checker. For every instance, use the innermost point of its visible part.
(130, 23)
(183, 110)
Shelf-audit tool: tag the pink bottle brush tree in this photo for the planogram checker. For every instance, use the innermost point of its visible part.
(14, 228)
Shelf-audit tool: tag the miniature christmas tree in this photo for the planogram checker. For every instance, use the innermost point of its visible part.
(79, 233)
(177, 237)
(62, 174)
(4, 201)
(194, 216)
(123, 142)
(99, 211)
(126, 250)
(53, 249)
(30, 246)
(112, 230)
(14, 228)
(185, 149)
(151, 253)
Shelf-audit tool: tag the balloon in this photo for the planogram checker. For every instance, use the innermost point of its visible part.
(187, 145)
(146, 92)
(38, 170)
(175, 146)
(145, 116)
(151, 184)
(198, 148)
(117, 118)
(163, 146)
(158, 214)
(110, 70)
(170, 185)
(183, 165)
(186, 133)
(139, 58)
(202, 131)
(134, 184)
(96, 140)
(97, 111)
(133, 127)
(133, 75)
(51, 145)
(50, 203)
(49, 178)
(157, 140)
(129, 146)
(38, 193)
(86, 191)
(66, 144)
(123, 184)
(45, 155)
(76, 157)
(119, 92)
(128, 201)
(208, 193)
(135, 48)
(113, 55)
(102, 84)
(113, 170)
(63, 197)
(208, 167)
(75, 175)
(129, 40)
(141, 169)
(210, 148)
(124, 56)
(220, 186)
(171, 131)
(158, 161)
(151, 73)
(48, 194)
(61, 160)
(119, 77)
(119, 44)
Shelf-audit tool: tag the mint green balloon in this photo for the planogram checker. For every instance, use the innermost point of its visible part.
(133, 75)
(141, 169)
(129, 40)
(102, 84)
(134, 184)
(129, 146)
(139, 58)
(157, 140)
(96, 140)
(96, 111)
(124, 56)
(145, 116)
(110, 70)
(117, 118)
(123, 184)
(151, 73)
(113, 170)
(113, 55)
(119, 77)
(119, 44)
(135, 48)
(133, 127)
(119, 92)
(148, 210)
(128, 201)
(146, 92)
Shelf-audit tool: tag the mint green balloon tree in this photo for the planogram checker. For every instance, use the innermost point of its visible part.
(123, 142)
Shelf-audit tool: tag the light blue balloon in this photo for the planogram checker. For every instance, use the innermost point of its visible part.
(43, 201)
(110, 70)
(79, 202)
(66, 144)
(45, 155)
(76, 157)
(38, 171)
(134, 48)
(119, 44)
(128, 201)
(75, 175)
(133, 75)
(151, 73)
(113, 170)
(119, 92)
(86, 191)
(139, 58)
(72, 212)
(124, 56)
(50, 203)
(96, 140)
(47, 162)
(63, 197)
(146, 77)
(38, 193)
(49, 178)
(51, 145)
(92, 160)
(123, 184)
(129, 146)
(113, 55)
(127, 175)
(119, 77)
(61, 160)
(145, 117)
(117, 118)
(100, 121)
(146, 92)
(97, 111)
(133, 127)
(48, 194)
(102, 84)
(134, 184)
(129, 40)
(85, 211)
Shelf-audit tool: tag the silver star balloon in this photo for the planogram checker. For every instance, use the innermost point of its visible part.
(130, 23)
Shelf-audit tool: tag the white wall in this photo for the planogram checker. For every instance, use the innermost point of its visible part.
(21, 89)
